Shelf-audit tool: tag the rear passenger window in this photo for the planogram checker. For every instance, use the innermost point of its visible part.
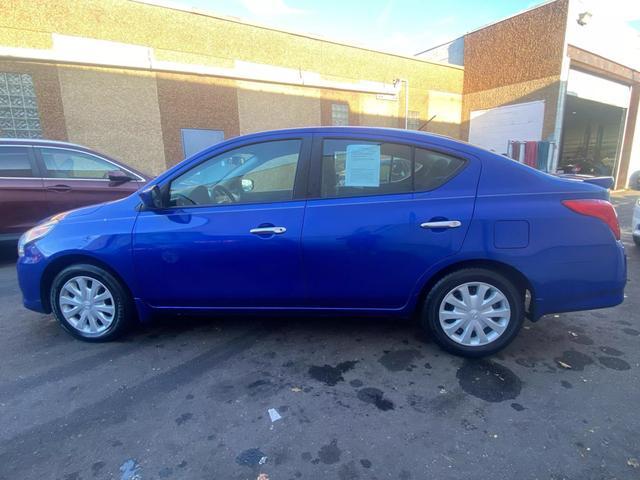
(353, 168)
(433, 169)
(14, 162)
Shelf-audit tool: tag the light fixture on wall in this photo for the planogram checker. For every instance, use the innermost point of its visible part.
(584, 17)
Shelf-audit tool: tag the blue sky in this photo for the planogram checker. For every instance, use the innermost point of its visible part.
(403, 26)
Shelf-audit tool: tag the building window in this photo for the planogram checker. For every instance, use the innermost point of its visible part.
(19, 116)
(413, 120)
(339, 114)
(196, 139)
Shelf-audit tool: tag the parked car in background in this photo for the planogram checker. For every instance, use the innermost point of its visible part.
(635, 223)
(634, 180)
(39, 178)
(330, 220)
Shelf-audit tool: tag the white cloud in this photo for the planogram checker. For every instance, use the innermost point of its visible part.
(270, 8)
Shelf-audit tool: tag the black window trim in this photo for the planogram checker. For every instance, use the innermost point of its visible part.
(314, 190)
(299, 184)
(35, 171)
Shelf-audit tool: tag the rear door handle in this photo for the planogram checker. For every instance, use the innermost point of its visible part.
(59, 188)
(268, 230)
(442, 224)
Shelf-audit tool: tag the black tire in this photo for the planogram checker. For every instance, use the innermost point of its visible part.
(123, 312)
(430, 313)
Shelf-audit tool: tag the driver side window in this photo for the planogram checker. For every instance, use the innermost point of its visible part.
(259, 173)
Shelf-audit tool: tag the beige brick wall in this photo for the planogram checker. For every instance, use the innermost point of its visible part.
(191, 38)
(115, 112)
(137, 115)
(264, 106)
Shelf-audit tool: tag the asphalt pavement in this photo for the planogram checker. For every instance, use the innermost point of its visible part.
(190, 398)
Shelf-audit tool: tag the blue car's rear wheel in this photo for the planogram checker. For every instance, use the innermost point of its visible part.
(90, 303)
(474, 312)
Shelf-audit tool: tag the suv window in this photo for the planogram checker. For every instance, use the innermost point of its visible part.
(353, 168)
(259, 173)
(434, 169)
(61, 163)
(15, 162)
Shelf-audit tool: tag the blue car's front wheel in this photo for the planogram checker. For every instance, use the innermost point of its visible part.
(474, 312)
(90, 303)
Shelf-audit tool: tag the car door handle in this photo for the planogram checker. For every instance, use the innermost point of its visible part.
(442, 224)
(263, 230)
(59, 188)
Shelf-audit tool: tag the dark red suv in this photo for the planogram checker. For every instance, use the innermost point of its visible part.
(39, 178)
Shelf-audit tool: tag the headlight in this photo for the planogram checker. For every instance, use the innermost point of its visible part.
(38, 231)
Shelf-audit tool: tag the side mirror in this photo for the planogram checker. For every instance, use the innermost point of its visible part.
(118, 176)
(247, 184)
(151, 197)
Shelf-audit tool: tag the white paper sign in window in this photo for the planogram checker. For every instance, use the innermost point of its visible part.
(362, 166)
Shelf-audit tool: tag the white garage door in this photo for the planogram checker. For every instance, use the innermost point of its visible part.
(493, 128)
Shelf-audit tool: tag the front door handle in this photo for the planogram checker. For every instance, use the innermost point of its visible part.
(268, 230)
(442, 224)
(59, 188)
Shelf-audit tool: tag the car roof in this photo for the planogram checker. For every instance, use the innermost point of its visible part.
(354, 129)
(399, 133)
(40, 142)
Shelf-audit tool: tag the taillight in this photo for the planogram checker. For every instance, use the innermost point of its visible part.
(596, 208)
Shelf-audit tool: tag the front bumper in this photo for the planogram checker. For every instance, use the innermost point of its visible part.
(30, 268)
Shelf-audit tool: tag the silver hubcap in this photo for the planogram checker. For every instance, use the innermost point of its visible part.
(474, 314)
(87, 305)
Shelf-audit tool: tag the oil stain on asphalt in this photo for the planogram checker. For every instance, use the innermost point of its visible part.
(576, 360)
(331, 375)
(375, 397)
(398, 360)
(250, 458)
(614, 363)
(330, 454)
(488, 381)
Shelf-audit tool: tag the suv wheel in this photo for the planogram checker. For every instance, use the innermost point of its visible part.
(90, 303)
(473, 312)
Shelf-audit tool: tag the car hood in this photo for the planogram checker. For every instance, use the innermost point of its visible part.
(79, 212)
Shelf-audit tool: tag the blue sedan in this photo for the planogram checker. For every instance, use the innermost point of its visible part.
(342, 221)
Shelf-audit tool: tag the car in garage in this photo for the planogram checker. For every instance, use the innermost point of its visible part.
(39, 178)
(335, 221)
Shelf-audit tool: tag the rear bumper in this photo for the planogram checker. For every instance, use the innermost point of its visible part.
(584, 285)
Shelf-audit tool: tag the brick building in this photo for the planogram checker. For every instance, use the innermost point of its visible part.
(149, 83)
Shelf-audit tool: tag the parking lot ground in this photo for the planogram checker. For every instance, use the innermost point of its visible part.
(359, 399)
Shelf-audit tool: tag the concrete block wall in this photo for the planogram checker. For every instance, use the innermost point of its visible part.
(103, 76)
